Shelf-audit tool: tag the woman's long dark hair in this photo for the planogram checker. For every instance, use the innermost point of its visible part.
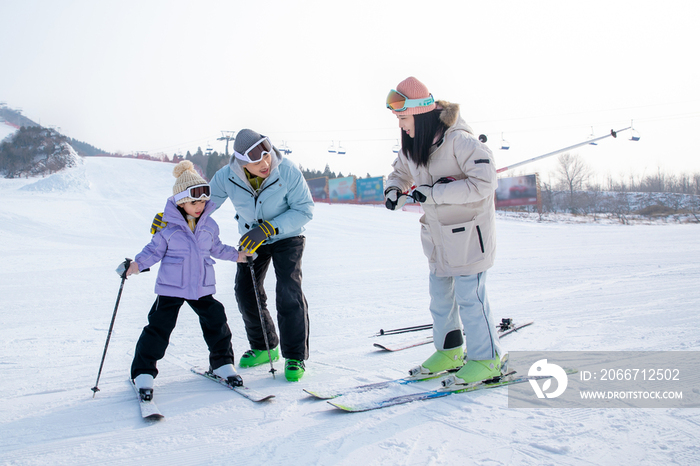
(427, 126)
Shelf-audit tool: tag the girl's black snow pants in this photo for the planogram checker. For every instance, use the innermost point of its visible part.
(162, 318)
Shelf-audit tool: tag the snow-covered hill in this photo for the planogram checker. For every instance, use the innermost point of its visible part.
(6, 130)
(588, 287)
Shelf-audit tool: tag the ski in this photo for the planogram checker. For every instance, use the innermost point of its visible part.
(404, 344)
(149, 409)
(245, 391)
(512, 328)
(328, 394)
(506, 327)
(358, 406)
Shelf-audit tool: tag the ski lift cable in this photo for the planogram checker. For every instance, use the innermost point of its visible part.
(612, 133)
(583, 112)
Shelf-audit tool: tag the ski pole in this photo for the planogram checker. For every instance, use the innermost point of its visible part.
(262, 319)
(403, 330)
(94, 389)
(506, 323)
(126, 264)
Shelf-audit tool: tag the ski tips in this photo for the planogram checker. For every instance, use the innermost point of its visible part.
(341, 406)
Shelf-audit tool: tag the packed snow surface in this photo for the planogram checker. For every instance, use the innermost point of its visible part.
(586, 286)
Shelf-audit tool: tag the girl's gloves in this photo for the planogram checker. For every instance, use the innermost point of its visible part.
(128, 267)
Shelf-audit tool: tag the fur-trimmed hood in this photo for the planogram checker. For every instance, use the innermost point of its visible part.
(458, 230)
(449, 114)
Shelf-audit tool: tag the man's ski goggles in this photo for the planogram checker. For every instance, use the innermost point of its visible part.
(398, 102)
(256, 152)
(196, 192)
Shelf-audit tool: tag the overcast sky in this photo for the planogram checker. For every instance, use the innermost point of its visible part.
(169, 76)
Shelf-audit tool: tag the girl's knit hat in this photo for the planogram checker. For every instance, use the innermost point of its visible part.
(186, 177)
(414, 89)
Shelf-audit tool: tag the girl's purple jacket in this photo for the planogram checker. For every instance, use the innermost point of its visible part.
(187, 268)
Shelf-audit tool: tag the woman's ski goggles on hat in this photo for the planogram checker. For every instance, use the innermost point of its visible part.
(398, 102)
(196, 192)
(256, 152)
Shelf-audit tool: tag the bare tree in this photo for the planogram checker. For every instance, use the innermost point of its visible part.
(572, 173)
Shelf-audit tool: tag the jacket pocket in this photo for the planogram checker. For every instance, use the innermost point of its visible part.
(463, 244)
(209, 277)
(426, 241)
(171, 271)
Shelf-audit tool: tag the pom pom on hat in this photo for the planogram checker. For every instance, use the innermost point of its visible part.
(414, 89)
(186, 177)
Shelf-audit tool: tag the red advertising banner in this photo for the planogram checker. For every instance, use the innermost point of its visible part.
(517, 191)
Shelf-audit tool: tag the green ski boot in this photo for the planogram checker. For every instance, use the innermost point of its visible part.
(294, 370)
(440, 361)
(476, 371)
(253, 357)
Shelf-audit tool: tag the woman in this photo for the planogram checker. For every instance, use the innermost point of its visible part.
(456, 182)
(273, 203)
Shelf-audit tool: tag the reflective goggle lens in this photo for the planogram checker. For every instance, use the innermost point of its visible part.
(398, 102)
(258, 150)
(395, 100)
(198, 192)
(195, 192)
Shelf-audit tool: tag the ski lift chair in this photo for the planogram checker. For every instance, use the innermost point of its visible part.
(285, 149)
(634, 134)
(592, 136)
(505, 145)
(331, 148)
(341, 149)
(396, 148)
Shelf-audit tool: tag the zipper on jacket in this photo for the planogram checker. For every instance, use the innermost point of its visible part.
(481, 241)
(243, 188)
(258, 193)
(255, 195)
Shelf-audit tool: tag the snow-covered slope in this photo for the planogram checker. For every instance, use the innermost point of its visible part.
(588, 287)
(6, 130)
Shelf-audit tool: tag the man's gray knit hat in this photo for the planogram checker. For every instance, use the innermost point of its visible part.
(244, 141)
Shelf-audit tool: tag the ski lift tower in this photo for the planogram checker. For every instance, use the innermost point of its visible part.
(227, 136)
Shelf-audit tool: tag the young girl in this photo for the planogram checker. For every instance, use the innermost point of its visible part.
(184, 247)
(456, 180)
